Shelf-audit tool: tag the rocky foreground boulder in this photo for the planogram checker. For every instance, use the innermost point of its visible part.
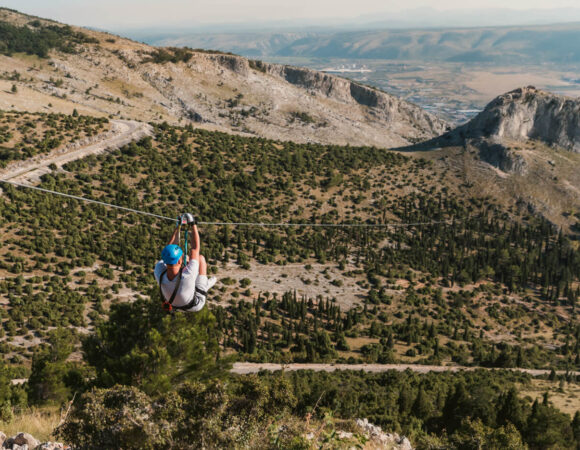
(25, 441)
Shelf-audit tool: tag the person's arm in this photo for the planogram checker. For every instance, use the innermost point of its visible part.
(195, 245)
(174, 237)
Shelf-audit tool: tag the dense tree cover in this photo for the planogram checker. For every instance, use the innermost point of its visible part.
(24, 135)
(237, 414)
(312, 330)
(38, 39)
(450, 410)
(11, 396)
(438, 404)
(140, 345)
(54, 379)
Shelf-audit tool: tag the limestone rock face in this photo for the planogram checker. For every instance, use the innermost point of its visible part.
(384, 106)
(528, 113)
(525, 114)
(500, 156)
(380, 439)
(21, 441)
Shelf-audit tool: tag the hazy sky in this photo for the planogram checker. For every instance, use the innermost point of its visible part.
(143, 13)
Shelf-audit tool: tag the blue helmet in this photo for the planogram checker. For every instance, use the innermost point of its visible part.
(171, 254)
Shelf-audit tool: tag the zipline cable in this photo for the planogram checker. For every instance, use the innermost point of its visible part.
(90, 200)
(254, 224)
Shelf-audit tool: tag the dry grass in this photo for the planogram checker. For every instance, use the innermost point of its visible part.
(566, 398)
(40, 423)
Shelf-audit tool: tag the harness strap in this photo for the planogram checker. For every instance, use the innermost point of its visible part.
(168, 304)
(185, 249)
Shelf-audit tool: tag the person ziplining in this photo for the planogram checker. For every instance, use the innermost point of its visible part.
(183, 283)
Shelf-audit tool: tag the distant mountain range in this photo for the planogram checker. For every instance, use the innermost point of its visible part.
(514, 45)
(417, 18)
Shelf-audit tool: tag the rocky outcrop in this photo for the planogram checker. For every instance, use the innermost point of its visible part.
(528, 113)
(384, 106)
(500, 156)
(25, 441)
(518, 116)
(234, 63)
(381, 439)
(222, 90)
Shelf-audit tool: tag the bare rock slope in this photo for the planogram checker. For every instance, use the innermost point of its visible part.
(512, 122)
(529, 113)
(125, 79)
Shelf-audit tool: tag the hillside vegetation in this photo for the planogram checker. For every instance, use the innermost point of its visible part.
(23, 136)
(489, 287)
(38, 39)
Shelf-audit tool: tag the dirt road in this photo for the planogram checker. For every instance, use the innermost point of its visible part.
(122, 133)
(245, 368)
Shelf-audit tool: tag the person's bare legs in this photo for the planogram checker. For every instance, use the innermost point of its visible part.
(203, 271)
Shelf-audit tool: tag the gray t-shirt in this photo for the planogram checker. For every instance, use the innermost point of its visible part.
(187, 288)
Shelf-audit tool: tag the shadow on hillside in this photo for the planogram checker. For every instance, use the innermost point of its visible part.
(452, 138)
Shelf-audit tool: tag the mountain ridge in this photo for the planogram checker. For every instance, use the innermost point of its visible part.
(501, 44)
(120, 78)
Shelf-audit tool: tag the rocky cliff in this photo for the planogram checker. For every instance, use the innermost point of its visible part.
(529, 113)
(510, 125)
(382, 105)
(523, 150)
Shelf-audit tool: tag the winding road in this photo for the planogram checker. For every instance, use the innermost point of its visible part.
(122, 132)
(243, 368)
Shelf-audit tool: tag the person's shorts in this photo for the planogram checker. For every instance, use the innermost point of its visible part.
(201, 287)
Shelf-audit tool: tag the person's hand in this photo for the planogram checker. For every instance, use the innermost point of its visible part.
(189, 219)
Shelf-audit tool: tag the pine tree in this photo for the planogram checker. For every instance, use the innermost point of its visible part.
(576, 427)
(510, 409)
(422, 407)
